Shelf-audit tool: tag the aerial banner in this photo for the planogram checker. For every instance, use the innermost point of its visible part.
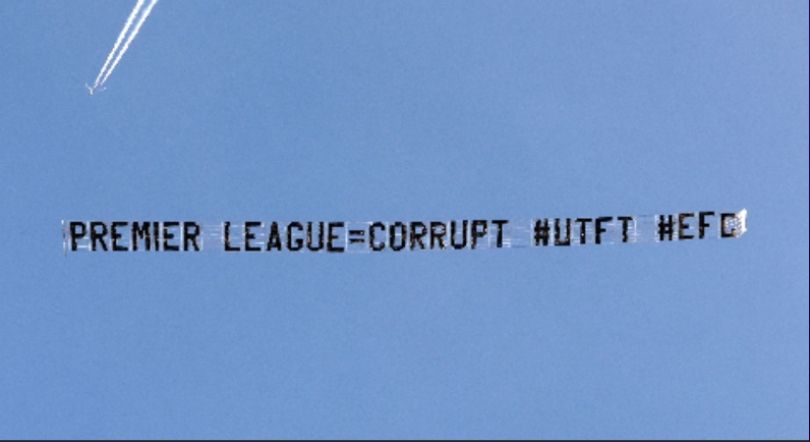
(302, 236)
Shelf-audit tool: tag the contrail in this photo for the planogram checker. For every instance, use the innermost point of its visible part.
(118, 41)
(132, 35)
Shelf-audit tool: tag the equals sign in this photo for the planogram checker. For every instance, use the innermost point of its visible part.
(357, 236)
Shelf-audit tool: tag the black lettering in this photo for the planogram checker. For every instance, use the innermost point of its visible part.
(665, 228)
(625, 223)
(156, 234)
(418, 231)
(392, 234)
(356, 236)
(77, 230)
(167, 235)
(141, 231)
(250, 235)
(724, 223)
(582, 229)
(683, 226)
(298, 244)
(331, 237)
(227, 237)
(463, 243)
(557, 240)
(599, 229)
(115, 236)
(274, 238)
(191, 231)
(95, 235)
(541, 231)
(702, 224)
(499, 223)
(478, 230)
(318, 247)
(438, 230)
(375, 246)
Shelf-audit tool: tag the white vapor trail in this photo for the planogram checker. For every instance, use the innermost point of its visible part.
(118, 41)
(132, 35)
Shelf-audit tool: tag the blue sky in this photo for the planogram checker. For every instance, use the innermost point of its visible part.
(406, 110)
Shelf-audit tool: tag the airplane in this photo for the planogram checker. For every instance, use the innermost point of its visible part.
(92, 90)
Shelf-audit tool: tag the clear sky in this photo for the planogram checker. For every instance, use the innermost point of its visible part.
(390, 110)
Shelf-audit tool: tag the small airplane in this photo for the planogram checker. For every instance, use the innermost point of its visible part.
(93, 89)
